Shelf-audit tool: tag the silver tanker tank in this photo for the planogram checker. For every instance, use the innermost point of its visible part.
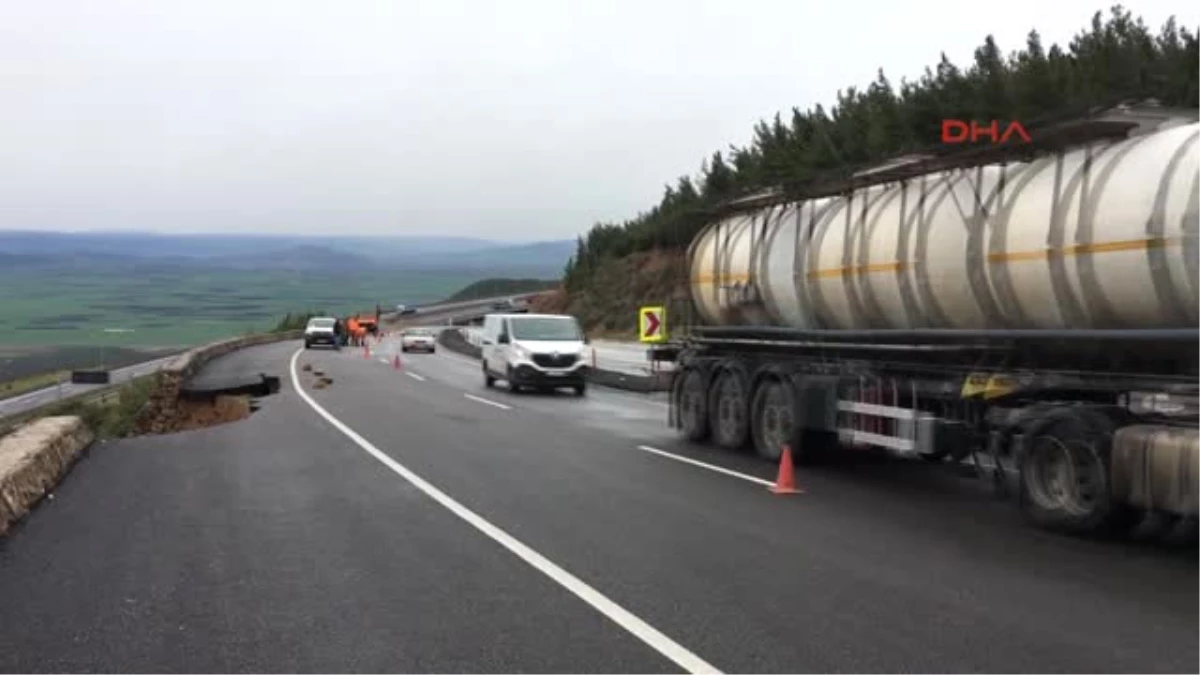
(1103, 236)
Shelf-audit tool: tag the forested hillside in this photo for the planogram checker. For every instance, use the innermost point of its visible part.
(1115, 59)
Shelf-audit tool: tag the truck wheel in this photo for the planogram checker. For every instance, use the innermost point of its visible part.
(773, 421)
(1064, 473)
(691, 400)
(730, 406)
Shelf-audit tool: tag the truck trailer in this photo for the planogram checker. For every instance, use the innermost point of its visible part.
(1033, 307)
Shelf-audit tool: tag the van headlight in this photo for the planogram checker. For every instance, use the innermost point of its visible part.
(520, 352)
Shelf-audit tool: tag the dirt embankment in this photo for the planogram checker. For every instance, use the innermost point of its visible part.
(608, 306)
(220, 410)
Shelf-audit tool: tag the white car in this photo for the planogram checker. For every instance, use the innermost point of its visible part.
(418, 339)
(321, 330)
(543, 351)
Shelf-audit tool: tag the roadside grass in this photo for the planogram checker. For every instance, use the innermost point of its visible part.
(111, 414)
(30, 383)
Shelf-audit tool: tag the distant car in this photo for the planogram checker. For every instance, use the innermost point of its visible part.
(418, 339)
(503, 304)
(321, 330)
(405, 309)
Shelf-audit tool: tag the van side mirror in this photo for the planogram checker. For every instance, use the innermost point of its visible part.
(503, 339)
(587, 340)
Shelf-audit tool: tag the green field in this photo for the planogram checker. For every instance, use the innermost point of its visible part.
(22, 365)
(164, 307)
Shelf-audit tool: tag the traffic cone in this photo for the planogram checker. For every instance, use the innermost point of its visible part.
(396, 363)
(785, 483)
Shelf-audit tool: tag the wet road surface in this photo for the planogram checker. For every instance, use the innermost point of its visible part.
(412, 520)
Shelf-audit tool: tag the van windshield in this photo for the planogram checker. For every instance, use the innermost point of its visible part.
(321, 323)
(545, 328)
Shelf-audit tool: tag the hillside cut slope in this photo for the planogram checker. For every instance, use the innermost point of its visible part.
(608, 305)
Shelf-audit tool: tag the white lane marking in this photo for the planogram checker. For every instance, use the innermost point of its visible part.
(617, 614)
(484, 400)
(710, 467)
(416, 377)
(382, 360)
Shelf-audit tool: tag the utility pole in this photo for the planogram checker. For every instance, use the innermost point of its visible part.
(103, 342)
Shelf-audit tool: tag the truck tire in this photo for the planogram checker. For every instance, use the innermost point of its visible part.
(729, 409)
(809, 446)
(1064, 473)
(772, 418)
(691, 401)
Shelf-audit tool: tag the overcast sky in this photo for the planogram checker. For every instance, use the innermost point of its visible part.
(511, 120)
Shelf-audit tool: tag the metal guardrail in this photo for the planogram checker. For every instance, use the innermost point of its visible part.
(10, 422)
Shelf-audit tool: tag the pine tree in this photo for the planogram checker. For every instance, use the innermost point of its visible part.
(1118, 57)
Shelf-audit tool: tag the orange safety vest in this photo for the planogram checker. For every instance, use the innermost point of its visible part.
(352, 324)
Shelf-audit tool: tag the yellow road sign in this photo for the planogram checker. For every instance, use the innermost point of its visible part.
(652, 324)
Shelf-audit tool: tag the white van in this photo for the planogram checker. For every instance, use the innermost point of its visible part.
(544, 351)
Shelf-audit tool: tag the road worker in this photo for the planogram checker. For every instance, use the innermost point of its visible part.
(353, 328)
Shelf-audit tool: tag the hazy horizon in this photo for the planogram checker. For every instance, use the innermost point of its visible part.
(522, 122)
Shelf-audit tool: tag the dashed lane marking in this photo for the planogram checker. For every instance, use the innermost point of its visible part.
(643, 631)
(416, 377)
(484, 400)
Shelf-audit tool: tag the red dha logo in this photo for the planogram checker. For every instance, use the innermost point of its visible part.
(958, 131)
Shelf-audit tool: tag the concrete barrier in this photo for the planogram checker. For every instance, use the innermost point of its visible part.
(161, 414)
(454, 340)
(32, 461)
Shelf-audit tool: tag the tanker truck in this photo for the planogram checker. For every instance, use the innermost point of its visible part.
(1031, 312)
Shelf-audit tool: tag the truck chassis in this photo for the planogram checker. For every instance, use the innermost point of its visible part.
(1079, 415)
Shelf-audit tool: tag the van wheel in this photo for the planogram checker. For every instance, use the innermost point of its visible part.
(488, 380)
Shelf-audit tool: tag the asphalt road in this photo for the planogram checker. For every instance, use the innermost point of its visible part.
(40, 397)
(413, 521)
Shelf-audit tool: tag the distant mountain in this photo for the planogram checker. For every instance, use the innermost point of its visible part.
(491, 288)
(217, 245)
(475, 256)
(541, 260)
(297, 258)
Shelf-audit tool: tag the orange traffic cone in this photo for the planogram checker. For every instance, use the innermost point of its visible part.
(396, 363)
(785, 483)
